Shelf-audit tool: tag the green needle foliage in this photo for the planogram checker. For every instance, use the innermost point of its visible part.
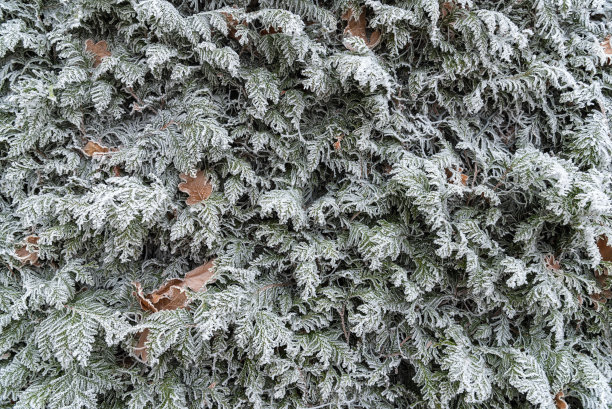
(407, 200)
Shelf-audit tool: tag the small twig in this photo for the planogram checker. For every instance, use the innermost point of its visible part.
(347, 334)
(354, 216)
(285, 284)
(82, 129)
(502, 178)
(400, 347)
(138, 100)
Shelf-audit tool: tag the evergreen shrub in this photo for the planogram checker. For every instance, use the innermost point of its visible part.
(305, 204)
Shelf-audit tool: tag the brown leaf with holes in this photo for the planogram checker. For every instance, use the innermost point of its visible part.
(450, 178)
(99, 50)
(27, 257)
(198, 188)
(92, 148)
(356, 27)
(559, 401)
(171, 295)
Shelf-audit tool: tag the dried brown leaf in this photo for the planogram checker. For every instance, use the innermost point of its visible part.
(356, 27)
(199, 276)
(140, 350)
(270, 30)
(607, 47)
(551, 263)
(337, 144)
(604, 249)
(559, 401)
(171, 295)
(99, 50)
(449, 176)
(24, 255)
(92, 148)
(231, 25)
(198, 188)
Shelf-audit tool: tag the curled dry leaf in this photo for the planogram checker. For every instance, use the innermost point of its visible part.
(170, 296)
(198, 188)
(24, 255)
(92, 148)
(451, 179)
(99, 50)
(356, 27)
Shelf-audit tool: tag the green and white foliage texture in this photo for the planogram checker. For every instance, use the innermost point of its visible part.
(356, 266)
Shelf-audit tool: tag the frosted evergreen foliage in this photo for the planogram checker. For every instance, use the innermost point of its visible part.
(406, 218)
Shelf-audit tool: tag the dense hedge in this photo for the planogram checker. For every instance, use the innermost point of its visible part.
(305, 204)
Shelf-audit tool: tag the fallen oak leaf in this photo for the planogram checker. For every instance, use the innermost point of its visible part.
(198, 188)
(24, 255)
(356, 27)
(99, 50)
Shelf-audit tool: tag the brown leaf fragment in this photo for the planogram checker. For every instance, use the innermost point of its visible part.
(99, 50)
(607, 48)
(140, 350)
(604, 249)
(145, 303)
(337, 144)
(463, 177)
(446, 8)
(24, 255)
(198, 188)
(92, 149)
(551, 263)
(356, 27)
(231, 25)
(270, 30)
(559, 401)
(199, 276)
